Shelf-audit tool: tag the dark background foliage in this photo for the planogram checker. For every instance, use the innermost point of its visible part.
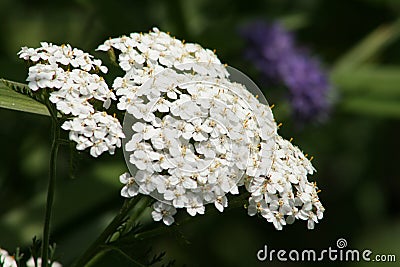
(356, 149)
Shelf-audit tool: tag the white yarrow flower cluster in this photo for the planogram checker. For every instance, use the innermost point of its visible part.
(194, 135)
(69, 74)
(99, 131)
(197, 136)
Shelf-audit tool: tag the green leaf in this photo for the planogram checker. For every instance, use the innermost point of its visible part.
(17, 96)
(369, 47)
(373, 81)
(372, 107)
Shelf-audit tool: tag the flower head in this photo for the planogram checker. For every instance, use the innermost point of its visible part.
(69, 75)
(98, 131)
(194, 135)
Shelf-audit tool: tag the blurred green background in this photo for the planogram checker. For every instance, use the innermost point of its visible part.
(357, 150)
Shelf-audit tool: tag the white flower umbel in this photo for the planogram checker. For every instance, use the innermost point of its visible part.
(6, 260)
(99, 131)
(195, 135)
(70, 76)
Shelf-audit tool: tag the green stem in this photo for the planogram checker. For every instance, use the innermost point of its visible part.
(107, 249)
(51, 186)
(110, 229)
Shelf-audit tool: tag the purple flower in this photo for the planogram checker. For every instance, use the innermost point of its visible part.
(274, 52)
